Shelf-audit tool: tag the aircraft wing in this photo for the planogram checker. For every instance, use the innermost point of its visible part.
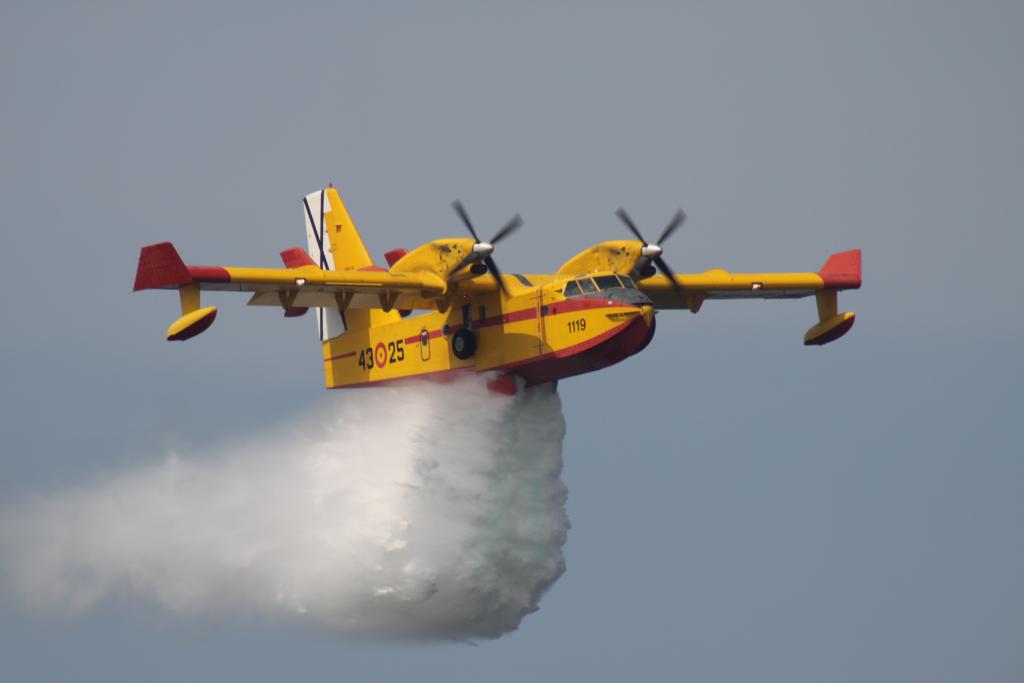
(841, 271)
(301, 285)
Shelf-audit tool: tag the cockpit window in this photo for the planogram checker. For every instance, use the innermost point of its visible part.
(572, 288)
(627, 282)
(587, 285)
(607, 282)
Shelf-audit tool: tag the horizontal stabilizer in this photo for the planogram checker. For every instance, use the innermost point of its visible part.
(296, 257)
(395, 255)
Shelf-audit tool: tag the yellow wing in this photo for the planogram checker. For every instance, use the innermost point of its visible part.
(841, 271)
(296, 288)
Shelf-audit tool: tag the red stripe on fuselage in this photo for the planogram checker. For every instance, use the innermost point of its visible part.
(418, 338)
(526, 314)
(571, 305)
(506, 318)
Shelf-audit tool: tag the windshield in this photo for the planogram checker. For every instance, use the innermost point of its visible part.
(585, 285)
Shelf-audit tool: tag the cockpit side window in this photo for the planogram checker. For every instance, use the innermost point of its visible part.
(571, 288)
(627, 282)
(607, 282)
(587, 285)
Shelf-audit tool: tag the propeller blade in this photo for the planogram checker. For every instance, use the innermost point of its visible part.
(660, 262)
(509, 228)
(621, 213)
(486, 248)
(676, 221)
(461, 210)
(493, 267)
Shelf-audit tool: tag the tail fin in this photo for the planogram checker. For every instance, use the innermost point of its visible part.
(335, 244)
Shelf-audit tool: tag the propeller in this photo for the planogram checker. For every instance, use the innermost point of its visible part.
(653, 252)
(482, 250)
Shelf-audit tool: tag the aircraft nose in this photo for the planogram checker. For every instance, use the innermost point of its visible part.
(647, 311)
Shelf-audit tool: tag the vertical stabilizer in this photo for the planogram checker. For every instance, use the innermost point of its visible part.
(335, 244)
(330, 322)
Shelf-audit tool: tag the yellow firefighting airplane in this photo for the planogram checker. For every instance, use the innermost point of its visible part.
(596, 310)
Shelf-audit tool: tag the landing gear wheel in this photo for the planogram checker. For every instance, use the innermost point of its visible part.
(464, 344)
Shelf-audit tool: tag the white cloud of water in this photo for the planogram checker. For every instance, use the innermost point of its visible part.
(419, 510)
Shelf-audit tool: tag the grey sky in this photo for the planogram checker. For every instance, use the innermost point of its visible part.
(756, 510)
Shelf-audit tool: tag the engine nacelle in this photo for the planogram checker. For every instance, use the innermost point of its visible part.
(618, 256)
(439, 257)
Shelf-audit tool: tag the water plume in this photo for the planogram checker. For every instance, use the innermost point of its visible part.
(416, 510)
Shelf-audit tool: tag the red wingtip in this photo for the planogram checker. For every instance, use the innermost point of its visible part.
(842, 270)
(160, 267)
(296, 258)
